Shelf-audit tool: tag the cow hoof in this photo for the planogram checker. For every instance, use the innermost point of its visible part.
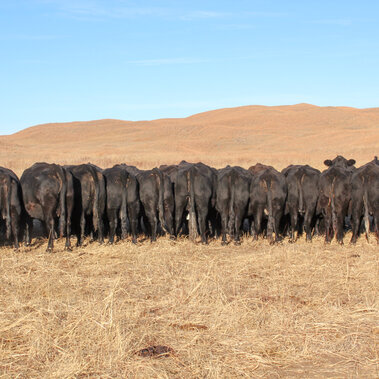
(291, 241)
(68, 248)
(223, 243)
(49, 250)
(172, 237)
(134, 241)
(272, 242)
(237, 243)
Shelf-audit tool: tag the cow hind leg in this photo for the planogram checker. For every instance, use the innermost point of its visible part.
(201, 218)
(328, 227)
(68, 235)
(153, 221)
(224, 226)
(237, 225)
(50, 224)
(28, 231)
(100, 231)
(133, 221)
(340, 229)
(356, 220)
(294, 219)
(257, 222)
(308, 225)
(276, 224)
(376, 224)
(68, 231)
(112, 217)
(81, 229)
(15, 230)
(179, 209)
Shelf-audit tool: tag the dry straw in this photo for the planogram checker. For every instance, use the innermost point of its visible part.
(255, 310)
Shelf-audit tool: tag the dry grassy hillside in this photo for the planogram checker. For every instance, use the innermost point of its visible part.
(279, 136)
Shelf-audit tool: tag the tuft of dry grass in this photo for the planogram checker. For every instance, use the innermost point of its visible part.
(255, 310)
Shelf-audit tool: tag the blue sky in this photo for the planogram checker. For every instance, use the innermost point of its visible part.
(69, 60)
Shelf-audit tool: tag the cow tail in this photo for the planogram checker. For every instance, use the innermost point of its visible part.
(301, 194)
(334, 216)
(192, 213)
(159, 178)
(366, 213)
(231, 223)
(96, 203)
(124, 197)
(269, 205)
(214, 191)
(62, 202)
(8, 189)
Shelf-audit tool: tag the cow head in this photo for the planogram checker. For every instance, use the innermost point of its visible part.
(259, 167)
(339, 161)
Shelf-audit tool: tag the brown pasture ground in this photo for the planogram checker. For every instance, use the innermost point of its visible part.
(305, 310)
(293, 310)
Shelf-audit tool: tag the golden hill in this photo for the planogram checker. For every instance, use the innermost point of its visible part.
(277, 135)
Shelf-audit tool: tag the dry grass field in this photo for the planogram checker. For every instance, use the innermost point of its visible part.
(255, 310)
(303, 310)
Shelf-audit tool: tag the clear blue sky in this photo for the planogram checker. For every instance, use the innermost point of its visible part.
(68, 60)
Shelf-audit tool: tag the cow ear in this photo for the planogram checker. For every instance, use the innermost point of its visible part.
(328, 162)
(350, 162)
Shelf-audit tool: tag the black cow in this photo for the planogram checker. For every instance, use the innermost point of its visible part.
(11, 205)
(90, 198)
(233, 191)
(195, 192)
(171, 171)
(365, 199)
(340, 161)
(123, 202)
(335, 195)
(102, 198)
(302, 184)
(157, 199)
(268, 192)
(48, 193)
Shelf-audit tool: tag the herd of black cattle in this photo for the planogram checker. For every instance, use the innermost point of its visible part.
(190, 199)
